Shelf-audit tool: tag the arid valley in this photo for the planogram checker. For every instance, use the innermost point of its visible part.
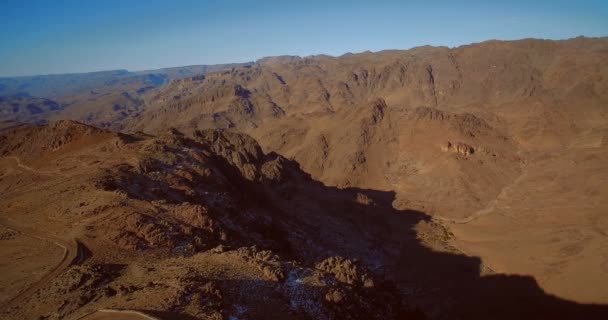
(465, 182)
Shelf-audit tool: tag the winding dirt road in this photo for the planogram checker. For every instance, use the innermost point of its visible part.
(73, 253)
(489, 207)
(111, 314)
(27, 168)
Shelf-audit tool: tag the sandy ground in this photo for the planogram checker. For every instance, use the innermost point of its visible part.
(560, 240)
(24, 261)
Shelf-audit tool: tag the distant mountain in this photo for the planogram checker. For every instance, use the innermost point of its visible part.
(70, 84)
(190, 71)
(21, 108)
(102, 98)
(59, 85)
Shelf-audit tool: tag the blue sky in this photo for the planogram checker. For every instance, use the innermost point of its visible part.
(60, 36)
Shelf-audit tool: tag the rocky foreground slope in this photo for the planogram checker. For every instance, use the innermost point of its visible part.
(208, 226)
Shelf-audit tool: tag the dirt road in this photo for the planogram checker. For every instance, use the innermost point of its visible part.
(109, 314)
(73, 253)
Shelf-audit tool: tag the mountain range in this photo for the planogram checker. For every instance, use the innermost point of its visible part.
(429, 183)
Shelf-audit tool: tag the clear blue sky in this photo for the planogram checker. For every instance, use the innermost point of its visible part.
(59, 36)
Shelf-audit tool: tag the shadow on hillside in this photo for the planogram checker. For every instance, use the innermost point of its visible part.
(321, 221)
(311, 222)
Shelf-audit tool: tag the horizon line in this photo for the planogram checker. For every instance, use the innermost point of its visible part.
(292, 55)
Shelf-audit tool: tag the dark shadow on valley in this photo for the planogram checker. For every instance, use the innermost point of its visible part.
(310, 222)
(320, 221)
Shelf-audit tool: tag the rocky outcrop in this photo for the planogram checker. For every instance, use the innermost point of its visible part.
(346, 271)
(265, 261)
(240, 150)
(465, 123)
(460, 148)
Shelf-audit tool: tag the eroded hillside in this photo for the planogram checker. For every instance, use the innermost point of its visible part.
(501, 136)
